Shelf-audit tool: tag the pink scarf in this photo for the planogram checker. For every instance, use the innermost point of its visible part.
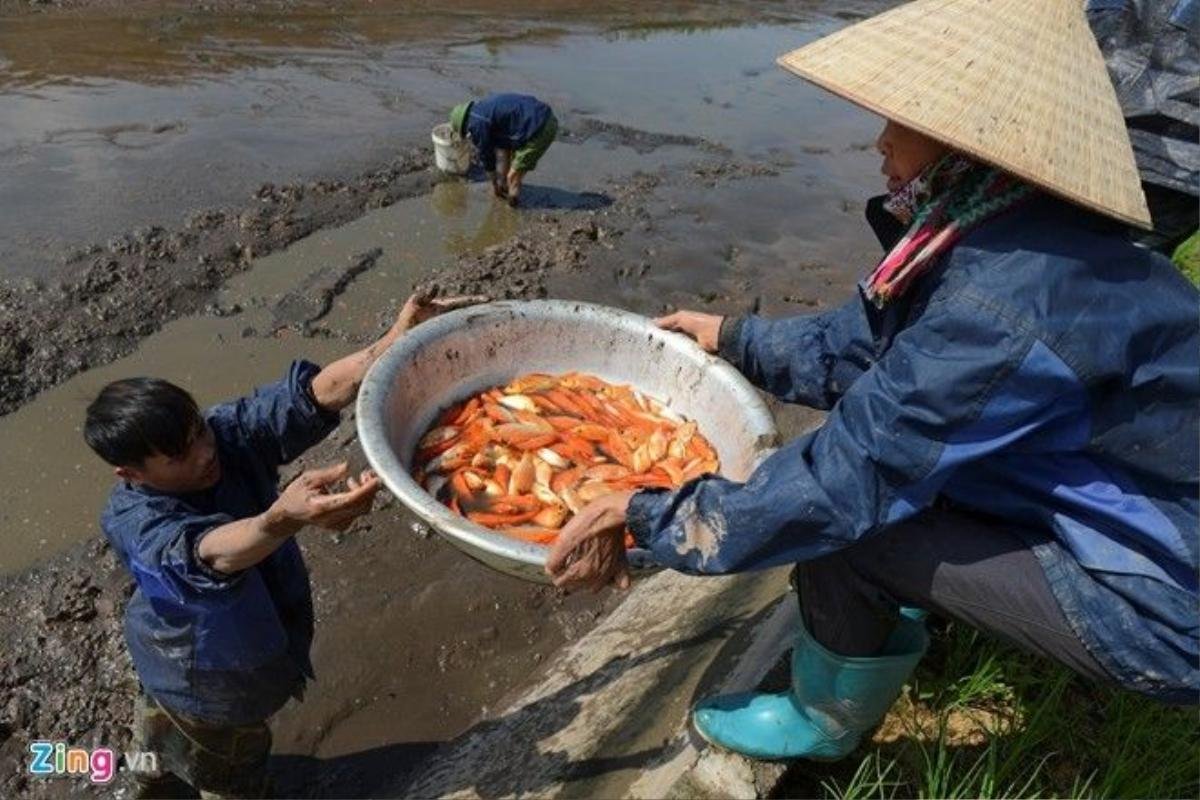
(940, 205)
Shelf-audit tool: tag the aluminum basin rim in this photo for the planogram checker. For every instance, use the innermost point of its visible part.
(371, 407)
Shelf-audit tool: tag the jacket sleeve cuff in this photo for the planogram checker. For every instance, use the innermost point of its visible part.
(181, 554)
(300, 376)
(729, 339)
(645, 508)
(215, 577)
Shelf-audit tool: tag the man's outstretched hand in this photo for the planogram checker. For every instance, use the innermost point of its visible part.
(336, 386)
(314, 498)
(422, 306)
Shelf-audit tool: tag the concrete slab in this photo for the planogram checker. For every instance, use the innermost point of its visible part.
(609, 718)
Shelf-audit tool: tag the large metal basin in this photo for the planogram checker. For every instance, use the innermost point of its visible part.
(448, 358)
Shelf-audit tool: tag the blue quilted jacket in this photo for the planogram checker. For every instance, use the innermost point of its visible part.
(1046, 372)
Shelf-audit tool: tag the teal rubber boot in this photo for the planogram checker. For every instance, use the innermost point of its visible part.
(834, 701)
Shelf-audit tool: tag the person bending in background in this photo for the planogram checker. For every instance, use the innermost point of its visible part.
(516, 127)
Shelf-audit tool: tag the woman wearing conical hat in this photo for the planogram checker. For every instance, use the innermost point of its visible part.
(1013, 395)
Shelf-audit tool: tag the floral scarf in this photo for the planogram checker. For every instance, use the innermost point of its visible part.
(939, 206)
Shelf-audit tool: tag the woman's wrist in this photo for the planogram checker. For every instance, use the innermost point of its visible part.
(617, 507)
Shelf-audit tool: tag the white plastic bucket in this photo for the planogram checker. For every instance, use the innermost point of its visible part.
(451, 153)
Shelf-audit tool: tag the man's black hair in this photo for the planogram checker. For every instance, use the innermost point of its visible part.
(132, 419)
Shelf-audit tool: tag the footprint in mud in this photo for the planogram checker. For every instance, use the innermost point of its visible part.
(132, 136)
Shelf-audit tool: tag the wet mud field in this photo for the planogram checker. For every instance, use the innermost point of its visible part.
(207, 194)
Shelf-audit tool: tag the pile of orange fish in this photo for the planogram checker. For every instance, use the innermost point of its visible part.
(523, 458)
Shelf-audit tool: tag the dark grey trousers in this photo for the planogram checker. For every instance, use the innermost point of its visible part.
(950, 563)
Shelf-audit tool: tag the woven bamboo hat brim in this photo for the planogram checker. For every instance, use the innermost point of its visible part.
(1019, 84)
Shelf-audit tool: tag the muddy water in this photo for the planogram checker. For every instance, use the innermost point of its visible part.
(111, 121)
(790, 238)
(218, 357)
(100, 133)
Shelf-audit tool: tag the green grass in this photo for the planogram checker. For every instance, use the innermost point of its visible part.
(982, 720)
(1187, 258)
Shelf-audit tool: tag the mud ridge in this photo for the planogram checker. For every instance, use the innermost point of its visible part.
(311, 301)
(617, 135)
(136, 282)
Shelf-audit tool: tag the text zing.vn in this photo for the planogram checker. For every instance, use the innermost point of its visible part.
(99, 765)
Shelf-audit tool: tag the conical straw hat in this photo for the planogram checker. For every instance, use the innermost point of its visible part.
(1019, 84)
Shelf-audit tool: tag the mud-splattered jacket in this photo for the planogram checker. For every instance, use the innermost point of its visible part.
(1047, 373)
(229, 649)
(507, 121)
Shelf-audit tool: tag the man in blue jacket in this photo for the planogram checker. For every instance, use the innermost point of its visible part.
(1013, 398)
(221, 621)
(516, 127)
